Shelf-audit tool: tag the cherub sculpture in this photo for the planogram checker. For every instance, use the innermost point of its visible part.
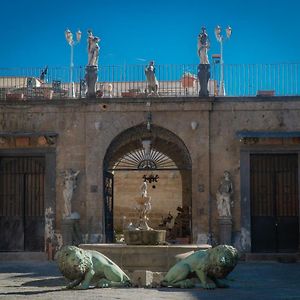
(143, 207)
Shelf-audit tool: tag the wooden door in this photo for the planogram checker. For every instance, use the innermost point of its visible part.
(274, 202)
(22, 203)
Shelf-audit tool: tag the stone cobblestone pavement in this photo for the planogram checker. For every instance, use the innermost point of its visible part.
(259, 280)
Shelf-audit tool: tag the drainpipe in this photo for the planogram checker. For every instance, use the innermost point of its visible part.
(209, 177)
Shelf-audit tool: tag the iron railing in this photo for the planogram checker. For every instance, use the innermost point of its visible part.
(129, 81)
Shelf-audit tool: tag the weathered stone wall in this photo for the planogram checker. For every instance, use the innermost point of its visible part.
(228, 117)
(86, 129)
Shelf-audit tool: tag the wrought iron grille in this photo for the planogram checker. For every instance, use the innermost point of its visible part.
(108, 191)
(140, 160)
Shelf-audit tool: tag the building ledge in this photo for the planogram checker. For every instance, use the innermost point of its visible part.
(27, 134)
(267, 134)
(137, 100)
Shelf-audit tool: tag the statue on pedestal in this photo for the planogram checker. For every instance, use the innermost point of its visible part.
(92, 66)
(224, 204)
(223, 195)
(151, 79)
(204, 66)
(70, 229)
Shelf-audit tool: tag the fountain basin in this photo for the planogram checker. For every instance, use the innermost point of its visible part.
(145, 237)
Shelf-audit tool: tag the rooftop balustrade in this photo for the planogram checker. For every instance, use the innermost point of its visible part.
(129, 81)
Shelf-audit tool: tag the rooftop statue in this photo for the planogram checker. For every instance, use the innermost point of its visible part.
(92, 66)
(93, 49)
(84, 268)
(203, 46)
(203, 72)
(223, 195)
(151, 79)
(210, 266)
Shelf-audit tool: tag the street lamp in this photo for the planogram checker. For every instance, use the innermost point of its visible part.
(72, 43)
(220, 38)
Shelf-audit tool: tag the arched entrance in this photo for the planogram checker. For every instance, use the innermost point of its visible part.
(145, 155)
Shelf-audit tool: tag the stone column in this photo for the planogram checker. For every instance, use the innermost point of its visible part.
(91, 79)
(203, 77)
(225, 229)
(67, 231)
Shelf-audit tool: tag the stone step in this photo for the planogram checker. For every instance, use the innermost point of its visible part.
(280, 257)
(23, 256)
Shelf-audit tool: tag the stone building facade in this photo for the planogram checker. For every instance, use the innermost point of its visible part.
(203, 137)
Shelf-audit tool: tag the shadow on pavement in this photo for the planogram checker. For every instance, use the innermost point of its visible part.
(49, 282)
(28, 293)
(33, 269)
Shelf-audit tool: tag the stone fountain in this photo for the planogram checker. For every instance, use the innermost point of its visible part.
(145, 249)
(142, 233)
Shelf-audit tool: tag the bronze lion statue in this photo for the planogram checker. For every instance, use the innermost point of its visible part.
(86, 267)
(209, 266)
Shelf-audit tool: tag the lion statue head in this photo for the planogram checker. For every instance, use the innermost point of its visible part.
(222, 260)
(73, 262)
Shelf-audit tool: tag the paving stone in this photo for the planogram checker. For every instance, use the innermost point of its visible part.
(249, 280)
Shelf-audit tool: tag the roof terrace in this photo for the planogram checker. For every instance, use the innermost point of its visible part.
(129, 81)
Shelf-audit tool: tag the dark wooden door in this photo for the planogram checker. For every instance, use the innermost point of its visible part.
(22, 203)
(274, 202)
(108, 184)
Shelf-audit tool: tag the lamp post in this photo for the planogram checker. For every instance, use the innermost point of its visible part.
(220, 38)
(72, 43)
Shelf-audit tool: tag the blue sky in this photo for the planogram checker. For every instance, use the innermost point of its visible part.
(132, 31)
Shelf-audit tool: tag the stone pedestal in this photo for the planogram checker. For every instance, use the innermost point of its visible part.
(91, 79)
(145, 278)
(67, 226)
(203, 77)
(155, 258)
(225, 229)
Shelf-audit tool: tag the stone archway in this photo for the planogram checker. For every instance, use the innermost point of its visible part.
(164, 142)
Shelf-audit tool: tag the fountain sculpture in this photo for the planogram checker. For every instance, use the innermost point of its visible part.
(142, 233)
